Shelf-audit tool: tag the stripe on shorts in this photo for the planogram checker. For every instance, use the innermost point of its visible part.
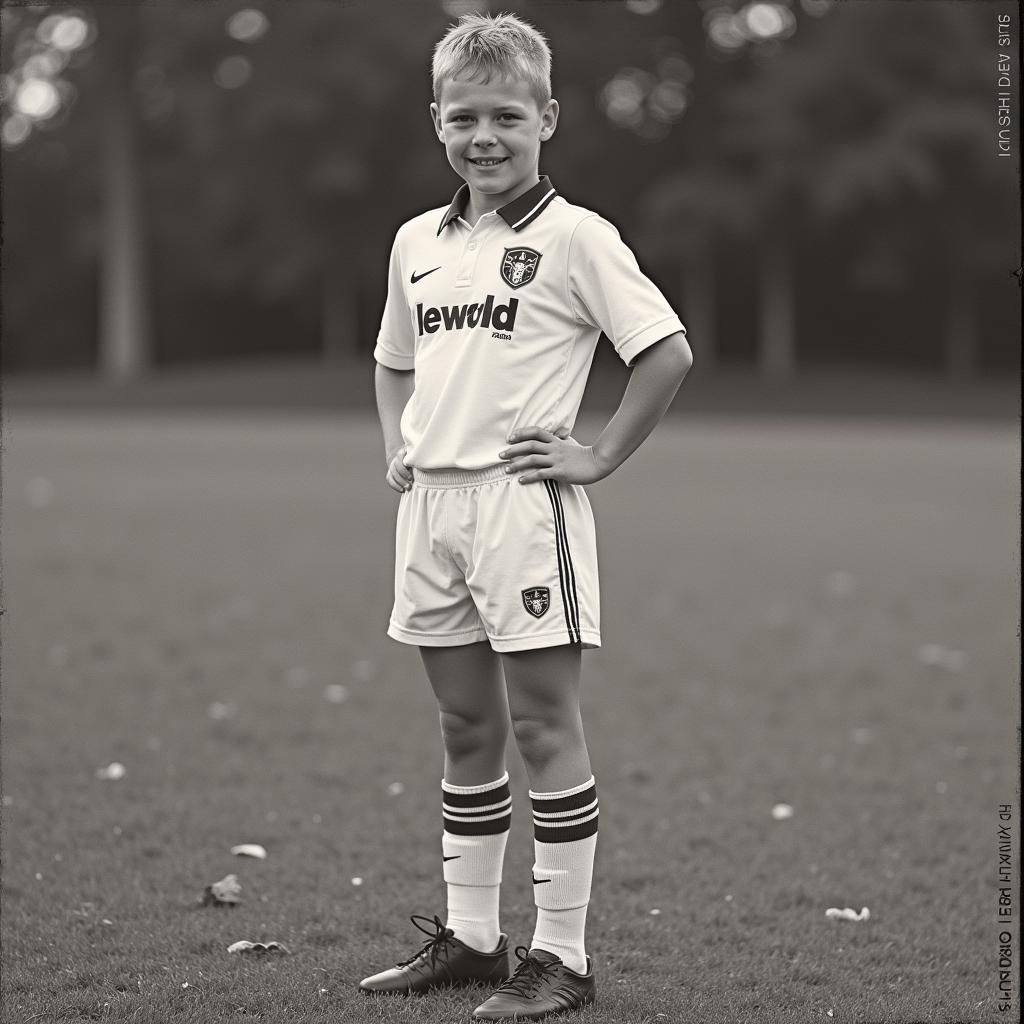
(565, 819)
(566, 572)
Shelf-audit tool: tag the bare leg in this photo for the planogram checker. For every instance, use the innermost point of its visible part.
(473, 708)
(477, 805)
(543, 693)
(544, 702)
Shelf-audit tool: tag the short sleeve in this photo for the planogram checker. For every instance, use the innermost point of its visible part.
(608, 290)
(396, 344)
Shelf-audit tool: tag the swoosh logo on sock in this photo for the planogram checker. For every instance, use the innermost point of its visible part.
(537, 881)
(419, 277)
(454, 856)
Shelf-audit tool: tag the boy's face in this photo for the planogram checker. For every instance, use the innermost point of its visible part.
(492, 133)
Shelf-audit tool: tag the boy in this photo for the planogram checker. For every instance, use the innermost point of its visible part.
(493, 313)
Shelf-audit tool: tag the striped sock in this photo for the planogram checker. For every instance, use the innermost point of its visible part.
(476, 824)
(565, 837)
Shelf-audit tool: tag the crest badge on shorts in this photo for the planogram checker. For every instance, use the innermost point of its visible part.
(537, 600)
(519, 266)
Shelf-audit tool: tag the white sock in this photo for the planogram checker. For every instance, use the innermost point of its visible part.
(476, 824)
(565, 838)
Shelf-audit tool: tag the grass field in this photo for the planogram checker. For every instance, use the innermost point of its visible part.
(184, 595)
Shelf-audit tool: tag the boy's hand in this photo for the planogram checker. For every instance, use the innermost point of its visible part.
(399, 475)
(537, 454)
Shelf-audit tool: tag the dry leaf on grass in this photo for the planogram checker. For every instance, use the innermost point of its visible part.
(225, 893)
(245, 946)
(848, 914)
(249, 850)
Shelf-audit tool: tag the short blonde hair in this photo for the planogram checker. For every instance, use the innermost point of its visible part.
(482, 45)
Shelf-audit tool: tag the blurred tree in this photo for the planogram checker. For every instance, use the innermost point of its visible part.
(305, 122)
(906, 119)
(684, 215)
(47, 60)
(125, 323)
(868, 108)
(252, 135)
(46, 55)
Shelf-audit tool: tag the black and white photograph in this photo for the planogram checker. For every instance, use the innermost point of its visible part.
(510, 510)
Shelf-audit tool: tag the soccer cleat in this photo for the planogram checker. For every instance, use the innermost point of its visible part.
(541, 985)
(442, 962)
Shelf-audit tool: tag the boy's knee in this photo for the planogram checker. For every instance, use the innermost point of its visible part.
(465, 736)
(538, 741)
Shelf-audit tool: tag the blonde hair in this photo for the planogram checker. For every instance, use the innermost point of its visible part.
(482, 45)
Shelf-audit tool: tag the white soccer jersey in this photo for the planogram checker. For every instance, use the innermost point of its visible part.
(501, 320)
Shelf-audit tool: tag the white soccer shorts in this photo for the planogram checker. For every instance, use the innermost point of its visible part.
(480, 556)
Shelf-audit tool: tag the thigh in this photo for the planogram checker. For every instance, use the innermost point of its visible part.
(467, 681)
(543, 685)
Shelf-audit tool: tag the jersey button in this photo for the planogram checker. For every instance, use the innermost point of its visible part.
(472, 247)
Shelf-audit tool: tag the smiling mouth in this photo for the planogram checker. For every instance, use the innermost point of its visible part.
(488, 161)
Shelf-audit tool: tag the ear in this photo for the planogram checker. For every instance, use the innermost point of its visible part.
(435, 116)
(548, 120)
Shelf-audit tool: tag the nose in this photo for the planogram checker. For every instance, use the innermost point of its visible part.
(483, 137)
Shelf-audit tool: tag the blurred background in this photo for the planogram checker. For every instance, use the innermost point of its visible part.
(199, 199)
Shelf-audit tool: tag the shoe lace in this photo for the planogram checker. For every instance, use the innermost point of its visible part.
(529, 974)
(435, 946)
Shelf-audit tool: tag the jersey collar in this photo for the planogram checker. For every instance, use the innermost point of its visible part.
(517, 214)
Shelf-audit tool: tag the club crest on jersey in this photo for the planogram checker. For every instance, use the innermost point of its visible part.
(519, 266)
(537, 600)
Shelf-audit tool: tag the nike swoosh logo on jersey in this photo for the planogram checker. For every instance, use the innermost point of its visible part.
(419, 277)
(537, 881)
(453, 857)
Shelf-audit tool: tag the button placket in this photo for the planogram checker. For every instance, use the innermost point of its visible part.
(470, 255)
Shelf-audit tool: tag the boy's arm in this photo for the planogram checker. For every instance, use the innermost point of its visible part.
(656, 376)
(394, 389)
(394, 377)
(653, 383)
